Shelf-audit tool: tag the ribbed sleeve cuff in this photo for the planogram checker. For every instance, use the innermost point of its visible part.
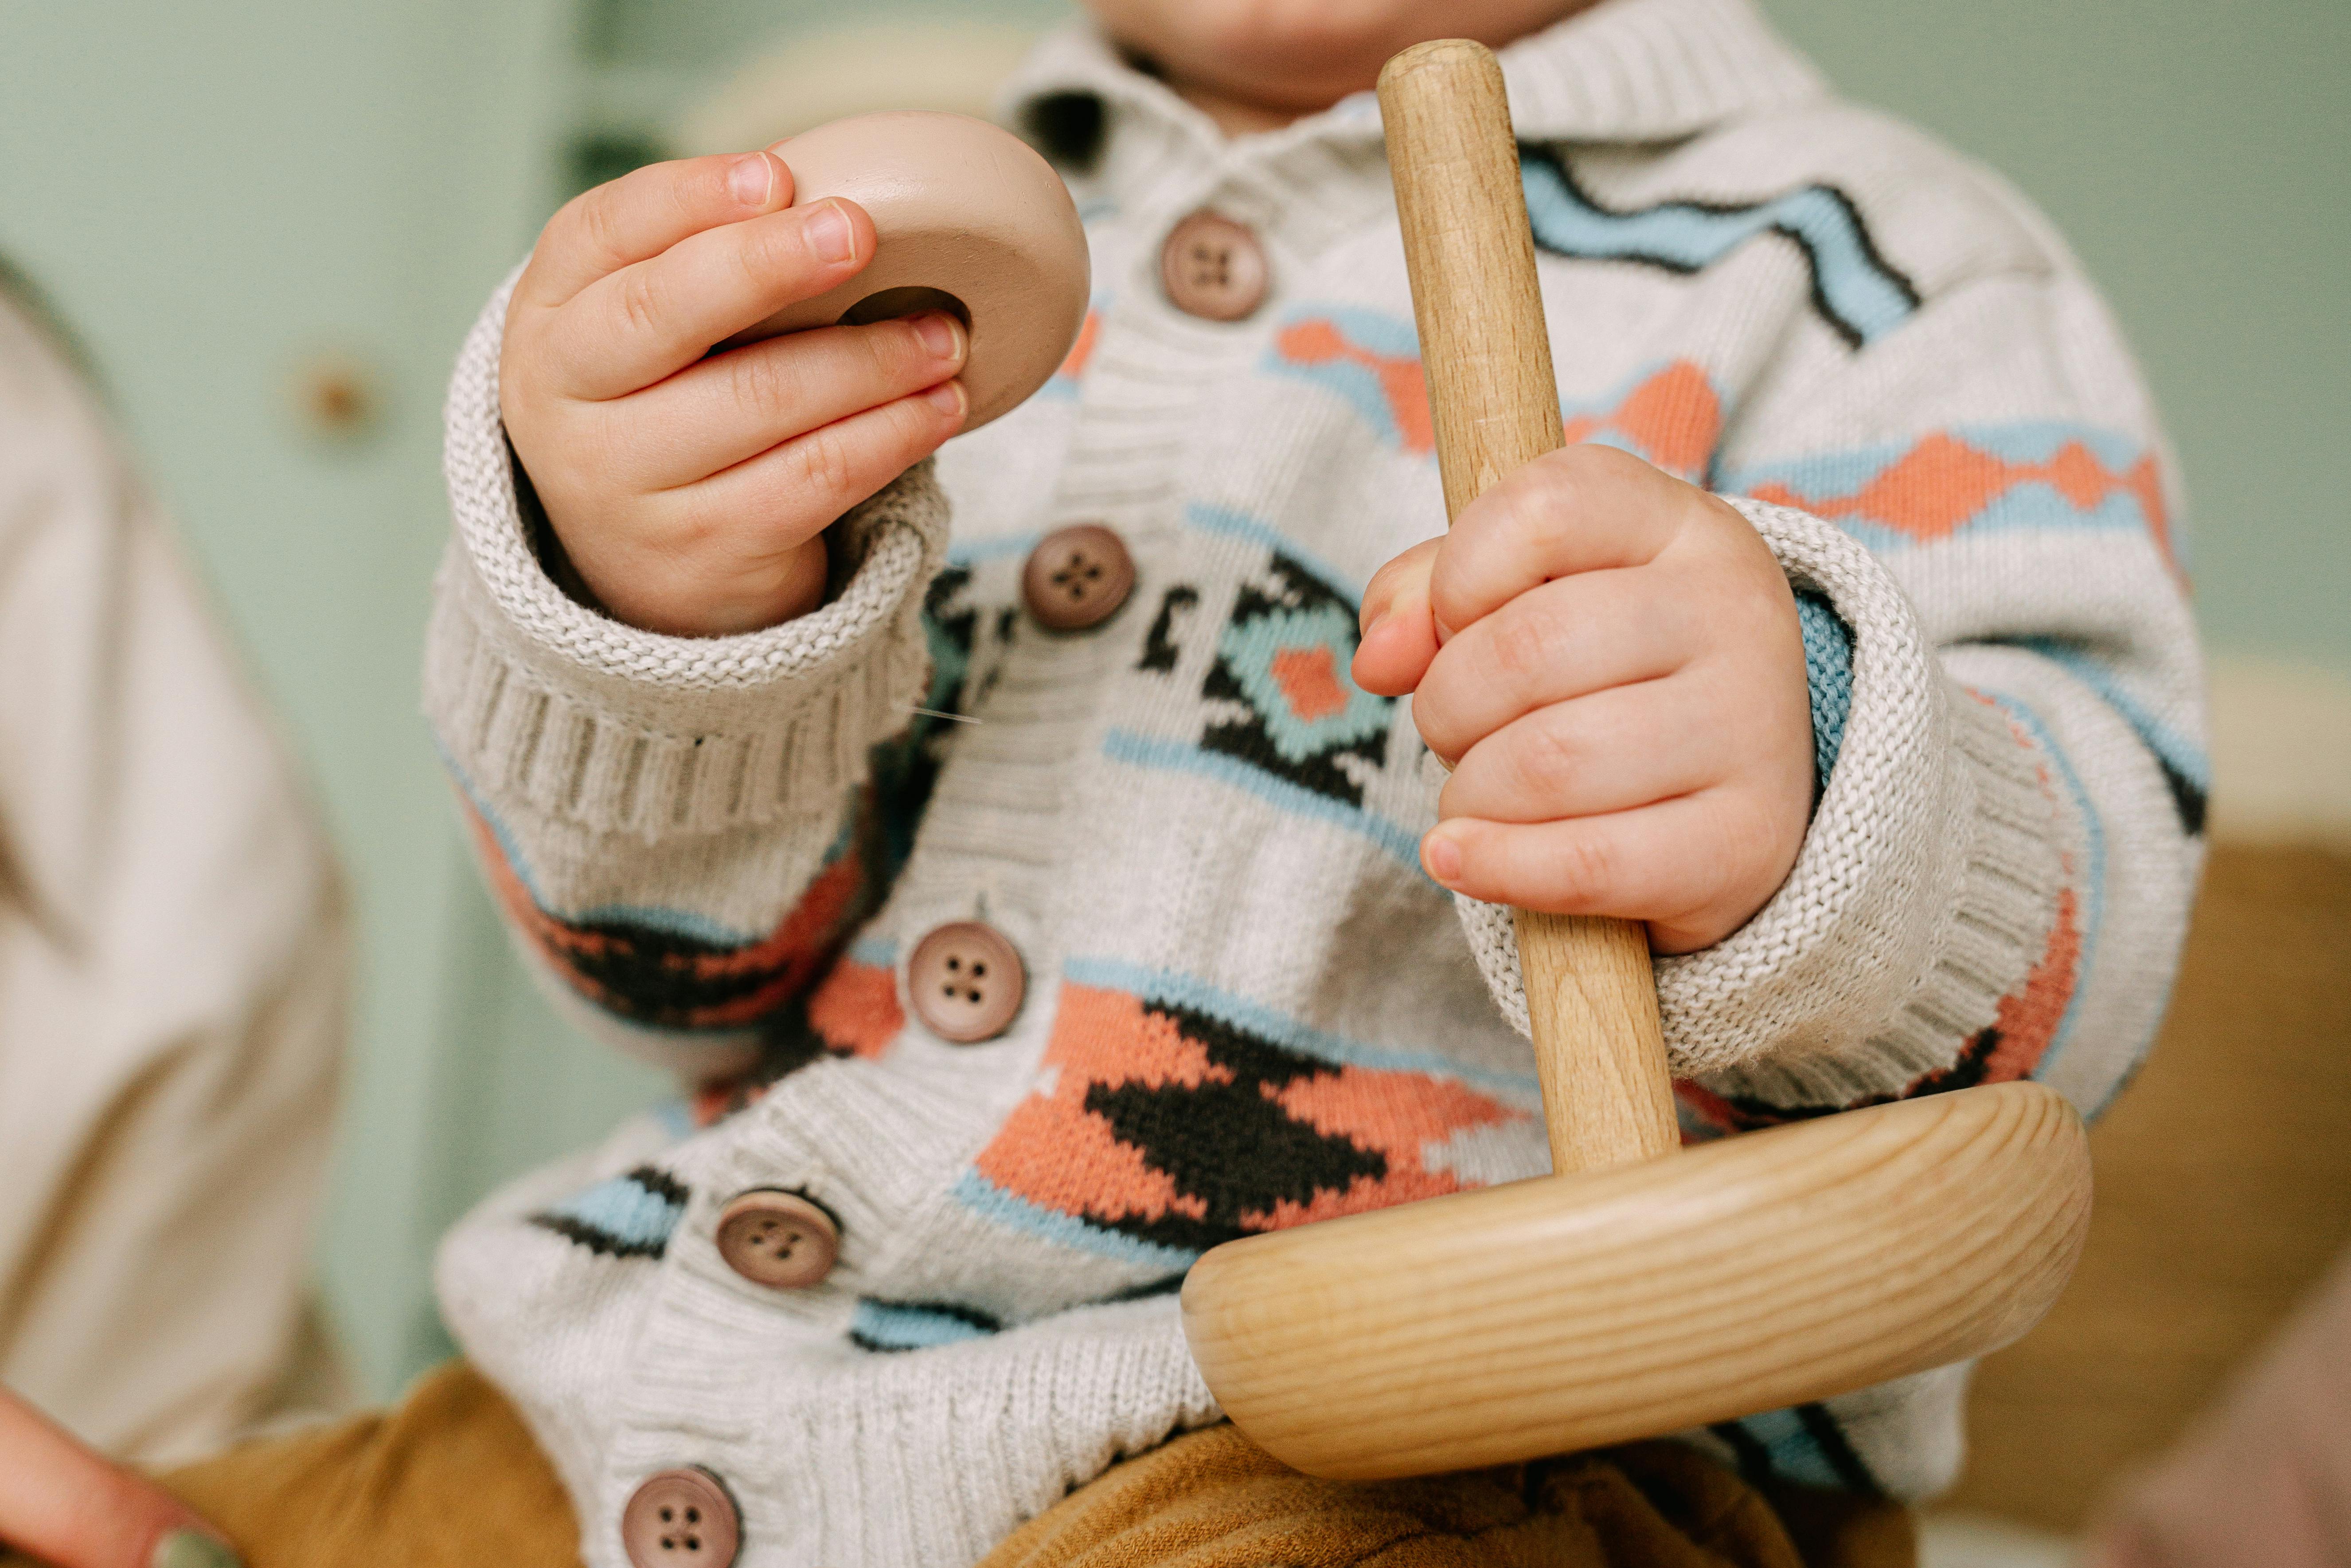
(1921, 897)
(540, 701)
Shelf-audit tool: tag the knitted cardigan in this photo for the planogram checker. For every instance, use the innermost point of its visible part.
(1246, 1007)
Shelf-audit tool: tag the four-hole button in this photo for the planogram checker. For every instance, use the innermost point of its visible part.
(778, 1240)
(965, 981)
(681, 1518)
(1077, 577)
(1213, 268)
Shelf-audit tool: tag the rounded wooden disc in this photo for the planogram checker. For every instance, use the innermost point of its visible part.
(1568, 1312)
(970, 219)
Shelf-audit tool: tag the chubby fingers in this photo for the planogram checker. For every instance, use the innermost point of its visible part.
(630, 328)
(724, 541)
(67, 1506)
(1556, 642)
(1610, 752)
(1694, 867)
(733, 406)
(1398, 634)
(824, 472)
(643, 213)
(1580, 508)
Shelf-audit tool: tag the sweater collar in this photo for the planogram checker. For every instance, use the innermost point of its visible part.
(1623, 71)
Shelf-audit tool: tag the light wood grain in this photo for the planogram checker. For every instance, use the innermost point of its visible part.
(1475, 294)
(1591, 999)
(1568, 1312)
(1600, 1052)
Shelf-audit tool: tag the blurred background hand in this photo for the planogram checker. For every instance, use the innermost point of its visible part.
(71, 1508)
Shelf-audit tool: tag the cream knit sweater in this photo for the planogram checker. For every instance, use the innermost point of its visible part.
(1245, 1005)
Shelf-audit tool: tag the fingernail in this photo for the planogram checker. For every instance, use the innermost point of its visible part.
(1442, 856)
(948, 397)
(752, 180)
(830, 235)
(1372, 630)
(194, 1549)
(941, 334)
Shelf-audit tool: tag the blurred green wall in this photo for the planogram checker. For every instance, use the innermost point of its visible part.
(218, 198)
(219, 195)
(2198, 157)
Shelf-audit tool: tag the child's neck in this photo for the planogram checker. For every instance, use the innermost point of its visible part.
(1234, 116)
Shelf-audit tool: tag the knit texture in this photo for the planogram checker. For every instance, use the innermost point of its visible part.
(1245, 1008)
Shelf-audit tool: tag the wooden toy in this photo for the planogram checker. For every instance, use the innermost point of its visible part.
(1637, 1291)
(970, 220)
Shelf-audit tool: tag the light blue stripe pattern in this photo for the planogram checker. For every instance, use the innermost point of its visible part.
(880, 952)
(1795, 1455)
(1174, 756)
(625, 1210)
(1861, 296)
(1353, 382)
(1184, 991)
(2184, 760)
(2029, 508)
(984, 1197)
(971, 552)
(891, 1326)
(1210, 519)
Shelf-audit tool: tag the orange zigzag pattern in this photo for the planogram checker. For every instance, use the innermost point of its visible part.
(1672, 418)
(1318, 341)
(1934, 489)
(781, 964)
(1055, 1153)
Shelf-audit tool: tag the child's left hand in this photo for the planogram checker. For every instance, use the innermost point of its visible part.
(1610, 660)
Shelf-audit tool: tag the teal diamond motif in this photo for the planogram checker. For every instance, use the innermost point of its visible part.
(1292, 666)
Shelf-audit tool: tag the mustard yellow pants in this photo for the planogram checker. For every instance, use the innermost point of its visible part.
(451, 1478)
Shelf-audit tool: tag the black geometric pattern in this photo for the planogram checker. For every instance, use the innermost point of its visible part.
(1280, 692)
(1229, 1146)
(1159, 647)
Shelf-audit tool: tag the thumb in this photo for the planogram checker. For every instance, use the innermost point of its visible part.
(69, 1506)
(1399, 632)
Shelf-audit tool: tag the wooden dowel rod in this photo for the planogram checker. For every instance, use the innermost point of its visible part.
(1591, 999)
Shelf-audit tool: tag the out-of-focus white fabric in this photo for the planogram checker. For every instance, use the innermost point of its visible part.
(173, 968)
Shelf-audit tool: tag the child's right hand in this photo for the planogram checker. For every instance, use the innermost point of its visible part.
(691, 494)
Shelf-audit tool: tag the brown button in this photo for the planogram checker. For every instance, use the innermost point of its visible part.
(681, 1518)
(778, 1240)
(1213, 267)
(965, 981)
(1077, 577)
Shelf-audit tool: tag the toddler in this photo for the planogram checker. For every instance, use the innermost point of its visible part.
(1846, 646)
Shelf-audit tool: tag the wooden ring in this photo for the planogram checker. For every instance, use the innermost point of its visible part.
(1568, 1312)
(969, 220)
